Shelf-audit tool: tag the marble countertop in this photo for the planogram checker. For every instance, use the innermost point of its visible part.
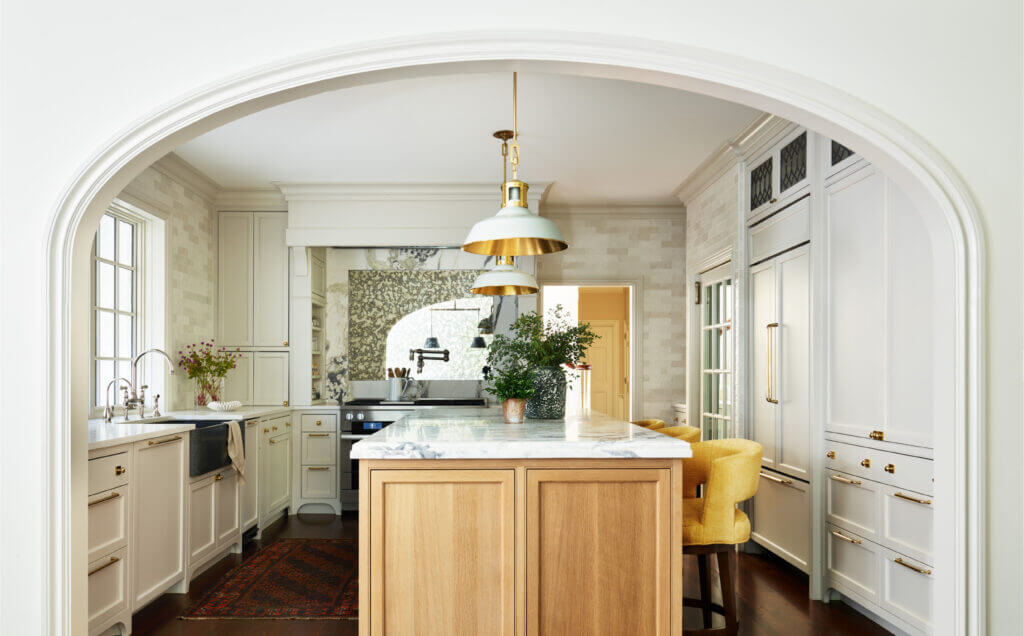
(428, 435)
(103, 434)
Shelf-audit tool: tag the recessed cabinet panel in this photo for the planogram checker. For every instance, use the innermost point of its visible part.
(793, 339)
(852, 503)
(763, 315)
(226, 499)
(270, 377)
(158, 516)
(319, 482)
(202, 520)
(270, 280)
(238, 382)
(853, 561)
(782, 518)
(108, 472)
(908, 589)
(235, 279)
(108, 588)
(249, 491)
(908, 521)
(319, 448)
(108, 522)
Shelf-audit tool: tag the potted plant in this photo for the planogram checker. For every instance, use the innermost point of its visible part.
(512, 385)
(543, 349)
(207, 366)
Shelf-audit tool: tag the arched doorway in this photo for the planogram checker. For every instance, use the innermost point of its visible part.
(885, 142)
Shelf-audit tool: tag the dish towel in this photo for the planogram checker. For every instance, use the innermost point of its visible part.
(236, 449)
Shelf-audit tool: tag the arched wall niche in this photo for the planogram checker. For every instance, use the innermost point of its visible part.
(898, 151)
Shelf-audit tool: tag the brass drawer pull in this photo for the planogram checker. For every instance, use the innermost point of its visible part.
(866, 463)
(274, 427)
(890, 468)
(218, 477)
(912, 567)
(877, 435)
(319, 434)
(106, 565)
(288, 424)
(831, 454)
(926, 502)
(273, 441)
(120, 470)
(318, 468)
(840, 535)
(776, 479)
(266, 430)
(113, 495)
(852, 482)
(165, 441)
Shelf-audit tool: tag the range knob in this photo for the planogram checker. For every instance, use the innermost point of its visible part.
(348, 416)
(359, 415)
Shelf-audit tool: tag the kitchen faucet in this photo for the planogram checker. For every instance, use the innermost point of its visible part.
(138, 396)
(108, 411)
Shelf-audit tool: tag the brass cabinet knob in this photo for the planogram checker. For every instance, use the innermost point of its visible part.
(288, 424)
(266, 430)
(284, 344)
(218, 477)
(774, 200)
(877, 435)
(831, 454)
(285, 403)
(319, 423)
(274, 427)
(890, 468)
(120, 470)
(866, 463)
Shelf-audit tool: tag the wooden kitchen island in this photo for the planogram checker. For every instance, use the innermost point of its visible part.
(472, 526)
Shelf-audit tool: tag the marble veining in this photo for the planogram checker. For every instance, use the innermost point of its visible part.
(431, 436)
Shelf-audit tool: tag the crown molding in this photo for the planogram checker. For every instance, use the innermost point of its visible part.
(753, 139)
(614, 211)
(174, 167)
(256, 200)
(489, 192)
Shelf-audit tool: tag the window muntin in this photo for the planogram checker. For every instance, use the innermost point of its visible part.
(717, 351)
(115, 301)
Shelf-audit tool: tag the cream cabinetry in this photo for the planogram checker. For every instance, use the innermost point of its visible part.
(238, 384)
(259, 378)
(270, 280)
(109, 510)
(317, 475)
(158, 545)
(779, 175)
(782, 518)
(275, 473)
(213, 518)
(109, 592)
(249, 491)
(235, 279)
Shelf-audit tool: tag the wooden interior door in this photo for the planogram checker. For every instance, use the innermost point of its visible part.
(599, 551)
(607, 380)
(442, 546)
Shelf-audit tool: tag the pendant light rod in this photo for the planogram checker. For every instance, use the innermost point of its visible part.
(515, 125)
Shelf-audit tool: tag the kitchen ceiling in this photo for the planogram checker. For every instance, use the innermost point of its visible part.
(602, 142)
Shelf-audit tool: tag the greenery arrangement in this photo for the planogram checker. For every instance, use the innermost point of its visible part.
(513, 382)
(535, 344)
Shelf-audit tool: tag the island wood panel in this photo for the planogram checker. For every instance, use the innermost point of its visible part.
(443, 555)
(599, 551)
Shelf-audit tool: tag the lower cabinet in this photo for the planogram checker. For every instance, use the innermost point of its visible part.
(781, 519)
(108, 591)
(213, 517)
(109, 513)
(518, 549)
(249, 491)
(317, 458)
(157, 551)
(275, 488)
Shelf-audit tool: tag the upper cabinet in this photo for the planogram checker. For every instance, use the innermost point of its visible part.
(778, 175)
(252, 291)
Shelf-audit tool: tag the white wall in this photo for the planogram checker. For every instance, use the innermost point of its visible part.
(951, 72)
(646, 245)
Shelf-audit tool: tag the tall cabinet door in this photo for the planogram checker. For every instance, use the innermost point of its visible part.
(763, 325)
(158, 514)
(270, 280)
(238, 382)
(793, 363)
(250, 489)
(270, 377)
(235, 279)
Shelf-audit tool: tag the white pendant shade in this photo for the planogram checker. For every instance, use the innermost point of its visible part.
(504, 280)
(515, 231)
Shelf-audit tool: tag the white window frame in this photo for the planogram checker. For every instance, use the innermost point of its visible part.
(148, 303)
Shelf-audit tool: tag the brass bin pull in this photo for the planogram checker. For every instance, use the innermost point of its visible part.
(106, 565)
(912, 567)
(113, 495)
(926, 502)
(770, 395)
(840, 535)
(776, 479)
(165, 441)
(318, 467)
(852, 482)
(319, 434)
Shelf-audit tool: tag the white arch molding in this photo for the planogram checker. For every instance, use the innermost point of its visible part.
(910, 160)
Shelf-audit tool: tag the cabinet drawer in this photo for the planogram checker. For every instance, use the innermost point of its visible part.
(907, 589)
(319, 448)
(108, 472)
(852, 503)
(108, 589)
(108, 522)
(319, 482)
(852, 561)
(786, 229)
(907, 521)
(320, 423)
(781, 518)
(275, 427)
(892, 469)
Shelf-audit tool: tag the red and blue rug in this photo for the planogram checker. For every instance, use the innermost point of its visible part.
(290, 578)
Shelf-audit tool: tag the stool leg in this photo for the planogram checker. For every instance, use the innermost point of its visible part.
(728, 591)
(705, 588)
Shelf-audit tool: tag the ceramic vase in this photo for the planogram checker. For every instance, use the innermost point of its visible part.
(512, 409)
(548, 401)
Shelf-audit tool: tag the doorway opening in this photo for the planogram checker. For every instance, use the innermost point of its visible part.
(609, 311)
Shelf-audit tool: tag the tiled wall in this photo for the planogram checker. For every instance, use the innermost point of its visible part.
(711, 220)
(191, 262)
(611, 244)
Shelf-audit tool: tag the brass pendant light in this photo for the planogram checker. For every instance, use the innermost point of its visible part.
(515, 230)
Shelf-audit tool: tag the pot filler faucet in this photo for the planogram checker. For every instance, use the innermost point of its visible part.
(137, 398)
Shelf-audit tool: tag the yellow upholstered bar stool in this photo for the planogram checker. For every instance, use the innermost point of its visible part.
(651, 424)
(689, 434)
(728, 470)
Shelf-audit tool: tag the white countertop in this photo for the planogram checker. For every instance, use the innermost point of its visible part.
(428, 435)
(103, 434)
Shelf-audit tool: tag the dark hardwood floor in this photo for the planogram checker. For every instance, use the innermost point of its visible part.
(771, 596)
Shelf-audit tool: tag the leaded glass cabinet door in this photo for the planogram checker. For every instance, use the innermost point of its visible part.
(762, 184)
(717, 354)
(793, 164)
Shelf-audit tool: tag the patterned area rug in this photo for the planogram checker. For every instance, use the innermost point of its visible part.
(290, 578)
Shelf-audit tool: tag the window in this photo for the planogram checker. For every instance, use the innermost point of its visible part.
(115, 301)
(716, 354)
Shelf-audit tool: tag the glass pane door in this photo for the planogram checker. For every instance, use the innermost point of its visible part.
(716, 357)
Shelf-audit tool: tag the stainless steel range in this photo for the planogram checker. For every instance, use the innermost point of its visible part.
(363, 417)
